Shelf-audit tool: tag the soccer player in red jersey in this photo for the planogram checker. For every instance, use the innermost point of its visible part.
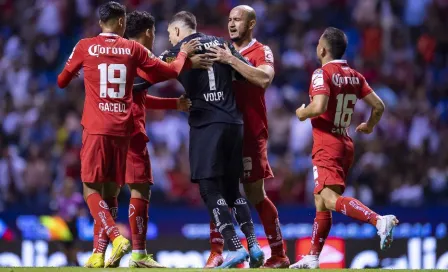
(110, 64)
(251, 102)
(334, 90)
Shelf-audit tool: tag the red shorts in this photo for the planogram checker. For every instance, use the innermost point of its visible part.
(255, 160)
(331, 164)
(138, 165)
(103, 158)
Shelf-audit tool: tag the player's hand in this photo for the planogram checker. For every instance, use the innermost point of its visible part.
(200, 61)
(183, 103)
(300, 113)
(364, 128)
(219, 54)
(190, 47)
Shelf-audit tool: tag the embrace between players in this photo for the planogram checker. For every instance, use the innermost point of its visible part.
(224, 85)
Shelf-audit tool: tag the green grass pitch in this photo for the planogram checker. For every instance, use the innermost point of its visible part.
(76, 269)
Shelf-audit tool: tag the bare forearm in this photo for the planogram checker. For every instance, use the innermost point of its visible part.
(375, 116)
(254, 75)
(313, 110)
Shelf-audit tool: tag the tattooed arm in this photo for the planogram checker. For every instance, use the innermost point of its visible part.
(377, 105)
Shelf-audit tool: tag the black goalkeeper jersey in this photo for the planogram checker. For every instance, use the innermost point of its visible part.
(209, 90)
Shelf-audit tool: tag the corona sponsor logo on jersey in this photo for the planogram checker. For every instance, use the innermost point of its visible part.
(96, 50)
(339, 80)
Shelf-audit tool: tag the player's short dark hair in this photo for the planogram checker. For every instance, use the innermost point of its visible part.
(138, 22)
(186, 17)
(337, 40)
(111, 10)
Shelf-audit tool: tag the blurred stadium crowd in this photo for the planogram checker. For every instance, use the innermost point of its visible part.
(401, 46)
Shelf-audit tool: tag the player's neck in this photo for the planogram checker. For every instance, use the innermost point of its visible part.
(188, 33)
(326, 60)
(242, 43)
(109, 31)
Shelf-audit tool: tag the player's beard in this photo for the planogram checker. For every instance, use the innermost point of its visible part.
(241, 36)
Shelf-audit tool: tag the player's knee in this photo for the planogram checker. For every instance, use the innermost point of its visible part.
(320, 203)
(329, 197)
(255, 192)
(110, 189)
(142, 191)
(90, 188)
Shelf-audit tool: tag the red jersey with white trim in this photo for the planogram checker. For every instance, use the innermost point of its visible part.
(344, 86)
(250, 98)
(110, 64)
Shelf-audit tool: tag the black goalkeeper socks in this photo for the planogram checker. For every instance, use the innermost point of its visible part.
(244, 219)
(223, 219)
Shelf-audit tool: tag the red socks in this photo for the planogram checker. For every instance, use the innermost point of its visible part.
(321, 229)
(101, 214)
(138, 220)
(100, 238)
(355, 209)
(269, 218)
(216, 239)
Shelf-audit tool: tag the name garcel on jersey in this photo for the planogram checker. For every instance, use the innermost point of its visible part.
(112, 107)
(95, 50)
(339, 80)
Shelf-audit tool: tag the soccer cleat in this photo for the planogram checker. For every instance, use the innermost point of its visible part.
(307, 262)
(215, 259)
(234, 258)
(120, 247)
(143, 261)
(277, 262)
(256, 256)
(385, 226)
(96, 260)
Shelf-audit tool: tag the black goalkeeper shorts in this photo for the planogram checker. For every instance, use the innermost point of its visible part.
(216, 150)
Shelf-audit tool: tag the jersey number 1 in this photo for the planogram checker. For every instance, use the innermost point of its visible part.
(211, 79)
(344, 110)
(107, 75)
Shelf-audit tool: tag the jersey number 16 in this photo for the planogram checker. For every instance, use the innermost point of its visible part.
(107, 75)
(344, 110)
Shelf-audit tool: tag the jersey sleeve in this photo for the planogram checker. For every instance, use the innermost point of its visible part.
(365, 87)
(320, 83)
(265, 57)
(72, 66)
(150, 64)
(159, 103)
(75, 60)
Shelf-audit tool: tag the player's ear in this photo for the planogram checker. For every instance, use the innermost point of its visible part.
(252, 24)
(177, 31)
(323, 51)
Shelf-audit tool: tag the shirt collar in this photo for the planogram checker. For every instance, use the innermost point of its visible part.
(109, 34)
(248, 46)
(190, 37)
(338, 61)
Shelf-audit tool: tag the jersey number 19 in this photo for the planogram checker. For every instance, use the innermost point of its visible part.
(107, 75)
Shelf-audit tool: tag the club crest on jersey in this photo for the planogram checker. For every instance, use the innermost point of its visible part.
(96, 50)
(318, 79)
(339, 80)
(150, 54)
(170, 59)
(269, 57)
